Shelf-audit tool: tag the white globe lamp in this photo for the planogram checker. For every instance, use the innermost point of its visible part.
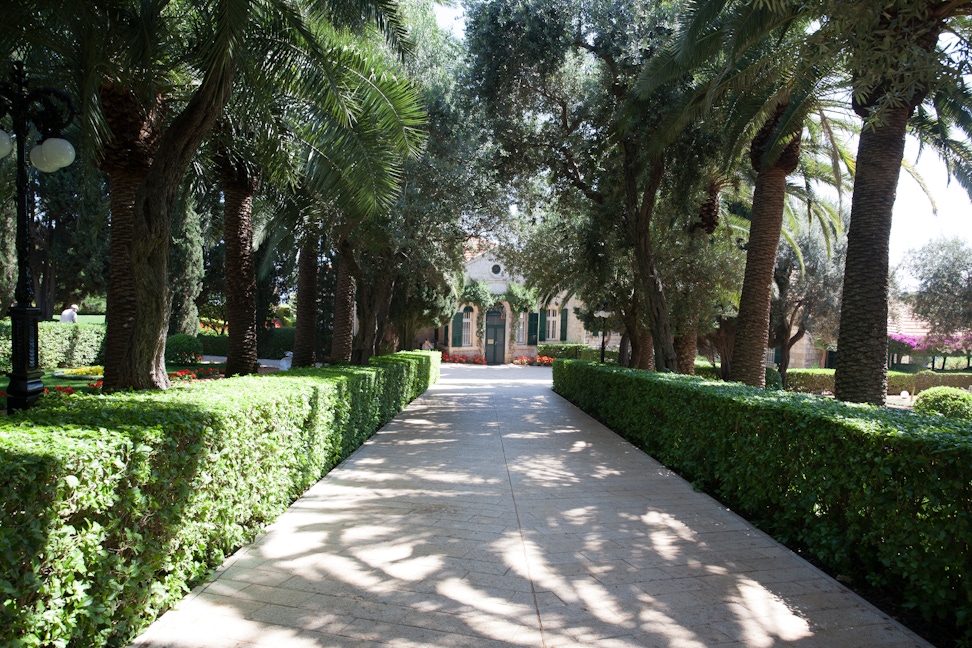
(40, 161)
(6, 144)
(58, 151)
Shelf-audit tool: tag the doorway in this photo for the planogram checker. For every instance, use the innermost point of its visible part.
(495, 337)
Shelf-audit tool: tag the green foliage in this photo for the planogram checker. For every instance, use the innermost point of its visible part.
(561, 350)
(478, 294)
(272, 344)
(186, 261)
(773, 379)
(881, 495)
(817, 381)
(943, 269)
(214, 344)
(182, 349)
(112, 507)
(60, 345)
(520, 298)
(945, 401)
(276, 342)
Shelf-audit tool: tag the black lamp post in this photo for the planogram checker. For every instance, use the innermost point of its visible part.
(49, 110)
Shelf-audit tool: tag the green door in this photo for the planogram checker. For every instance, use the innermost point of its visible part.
(495, 337)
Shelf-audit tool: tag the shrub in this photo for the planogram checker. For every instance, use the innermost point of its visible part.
(273, 343)
(60, 345)
(182, 349)
(112, 507)
(926, 379)
(773, 379)
(594, 354)
(707, 371)
(945, 401)
(881, 495)
(562, 350)
(810, 381)
(214, 344)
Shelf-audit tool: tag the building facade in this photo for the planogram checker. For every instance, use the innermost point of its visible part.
(499, 335)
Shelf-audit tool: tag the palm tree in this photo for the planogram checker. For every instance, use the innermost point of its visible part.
(894, 60)
(148, 102)
(754, 86)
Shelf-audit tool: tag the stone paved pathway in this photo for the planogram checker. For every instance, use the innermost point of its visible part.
(491, 512)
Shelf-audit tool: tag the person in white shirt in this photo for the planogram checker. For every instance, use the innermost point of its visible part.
(70, 315)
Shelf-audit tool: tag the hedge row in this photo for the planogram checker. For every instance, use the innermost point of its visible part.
(112, 507)
(816, 381)
(576, 351)
(881, 495)
(60, 345)
(271, 344)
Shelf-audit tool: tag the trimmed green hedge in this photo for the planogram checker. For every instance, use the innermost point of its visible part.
(271, 344)
(561, 350)
(707, 371)
(214, 344)
(112, 507)
(816, 381)
(60, 345)
(945, 401)
(881, 495)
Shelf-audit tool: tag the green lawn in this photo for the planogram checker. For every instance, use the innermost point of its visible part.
(83, 319)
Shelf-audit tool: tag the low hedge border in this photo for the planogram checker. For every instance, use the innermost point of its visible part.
(60, 345)
(817, 381)
(576, 351)
(883, 496)
(112, 507)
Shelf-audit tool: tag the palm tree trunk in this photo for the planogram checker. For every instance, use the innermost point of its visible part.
(752, 332)
(647, 351)
(862, 342)
(686, 347)
(306, 327)
(343, 338)
(135, 349)
(238, 190)
(120, 315)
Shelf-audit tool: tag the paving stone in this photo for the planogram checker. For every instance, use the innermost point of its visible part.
(492, 513)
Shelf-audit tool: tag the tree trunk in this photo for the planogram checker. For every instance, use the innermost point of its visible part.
(785, 349)
(647, 351)
(136, 357)
(765, 228)
(120, 311)
(343, 339)
(306, 327)
(624, 350)
(752, 333)
(686, 347)
(125, 160)
(238, 190)
(723, 341)
(639, 211)
(862, 342)
(373, 299)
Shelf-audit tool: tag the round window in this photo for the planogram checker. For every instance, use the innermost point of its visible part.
(496, 269)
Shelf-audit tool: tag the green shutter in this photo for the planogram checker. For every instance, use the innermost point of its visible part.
(563, 324)
(543, 325)
(457, 330)
(533, 323)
